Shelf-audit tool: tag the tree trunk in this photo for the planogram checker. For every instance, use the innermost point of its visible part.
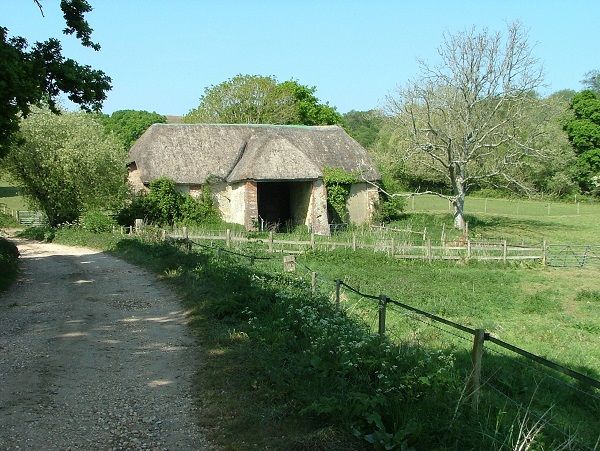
(459, 211)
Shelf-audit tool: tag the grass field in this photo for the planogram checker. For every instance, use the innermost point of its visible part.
(10, 195)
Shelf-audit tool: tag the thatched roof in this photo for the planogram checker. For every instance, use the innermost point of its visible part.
(191, 153)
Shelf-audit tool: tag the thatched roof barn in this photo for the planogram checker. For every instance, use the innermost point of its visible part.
(285, 162)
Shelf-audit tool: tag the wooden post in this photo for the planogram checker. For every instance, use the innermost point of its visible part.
(139, 225)
(382, 307)
(424, 233)
(313, 282)
(338, 284)
(443, 238)
(271, 241)
(504, 251)
(228, 238)
(468, 250)
(392, 250)
(476, 358)
(130, 230)
(577, 207)
(163, 234)
(185, 233)
(313, 245)
(289, 263)
(544, 252)
(121, 229)
(449, 205)
(467, 230)
(429, 253)
(354, 241)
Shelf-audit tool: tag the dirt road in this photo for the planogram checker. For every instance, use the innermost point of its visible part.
(94, 354)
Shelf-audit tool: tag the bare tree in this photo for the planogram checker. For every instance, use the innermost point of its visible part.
(464, 118)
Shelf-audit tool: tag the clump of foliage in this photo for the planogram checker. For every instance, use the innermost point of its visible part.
(164, 205)
(8, 262)
(389, 208)
(40, 73)
(66, 164)
(96, 221)
(7, 221)
(338, 183)
(364, 126)
(584, 133)
(129, 125)
(256, 99)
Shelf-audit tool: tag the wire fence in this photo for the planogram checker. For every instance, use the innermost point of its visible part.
(552, 395)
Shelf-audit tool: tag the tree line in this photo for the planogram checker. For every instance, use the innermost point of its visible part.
(473, 122)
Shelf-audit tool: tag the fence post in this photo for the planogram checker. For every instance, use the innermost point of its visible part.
(353, 241)
(468, 249)
(185, 233)
(313, 282)
(392, 250)
(271, 241)
(443, 238)
(577, 207)
(476, 357)
(312, 242)
(382, 307)
(163, 234)
(424, 233)
(228, 238)
(130, 230)
(504, 251)
(338, 284)
(544, 252)
(429, 252)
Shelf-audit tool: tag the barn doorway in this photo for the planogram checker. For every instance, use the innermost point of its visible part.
(282, 204)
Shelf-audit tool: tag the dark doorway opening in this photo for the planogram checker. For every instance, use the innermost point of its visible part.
(274, 204)
(283, 205)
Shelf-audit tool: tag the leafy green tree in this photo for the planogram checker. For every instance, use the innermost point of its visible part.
(583, 130)
(66, 164)
(364, 126)
(256, 99)
(309, 109)
(30, 75)
(129, 125)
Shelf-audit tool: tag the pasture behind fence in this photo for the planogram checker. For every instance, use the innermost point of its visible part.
(509, 207)
(488, 374)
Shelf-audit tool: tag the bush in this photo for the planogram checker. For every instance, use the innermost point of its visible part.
(198, 211)
(389, 209)
(96, 222)
(8, 262)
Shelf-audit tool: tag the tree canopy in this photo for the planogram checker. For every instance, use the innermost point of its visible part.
(30, 75)
(364, 126)
(257, 99)
(129, 125)
(67, 164)
(464, 117)
(583, 130)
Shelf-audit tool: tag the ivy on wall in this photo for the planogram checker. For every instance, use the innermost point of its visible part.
(338, 183)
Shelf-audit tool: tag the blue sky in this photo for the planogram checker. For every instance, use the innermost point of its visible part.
(161, 54)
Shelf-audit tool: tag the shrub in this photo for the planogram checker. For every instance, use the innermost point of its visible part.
(8, 262)
(338, 183)
(96, 222)
(389, 209)
(200, 210)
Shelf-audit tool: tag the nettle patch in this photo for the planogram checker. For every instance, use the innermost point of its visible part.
(338, 183)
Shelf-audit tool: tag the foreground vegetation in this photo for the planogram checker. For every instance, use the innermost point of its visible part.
(284, 369)
(8, 263)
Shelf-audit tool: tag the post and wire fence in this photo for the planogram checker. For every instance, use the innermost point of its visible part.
(492, 361)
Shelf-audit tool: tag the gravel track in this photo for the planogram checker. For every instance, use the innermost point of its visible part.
(94, 354)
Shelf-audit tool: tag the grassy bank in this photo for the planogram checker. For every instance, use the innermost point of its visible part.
(282, 369)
